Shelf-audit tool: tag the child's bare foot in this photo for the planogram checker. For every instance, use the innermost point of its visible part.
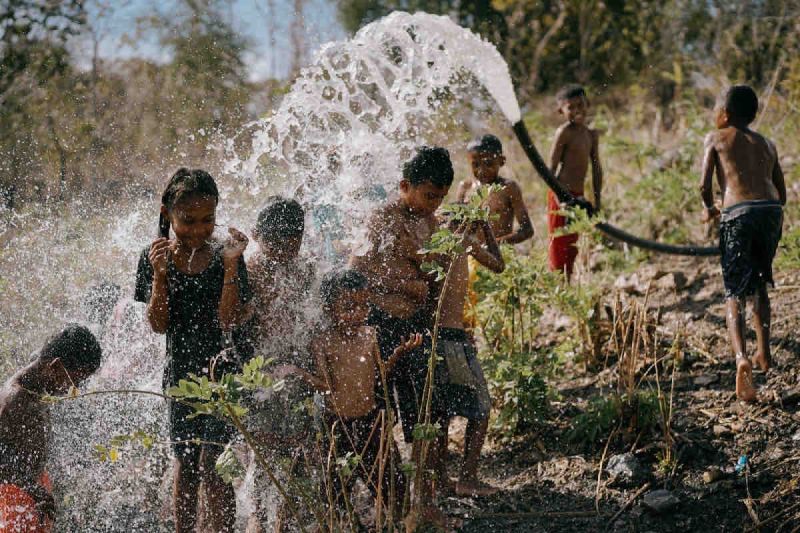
(744, 380)
(473, 487)
(762, 361)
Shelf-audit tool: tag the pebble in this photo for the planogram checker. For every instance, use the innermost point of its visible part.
(712, 474)
(720, 430)
(660, 501)
(624, 466)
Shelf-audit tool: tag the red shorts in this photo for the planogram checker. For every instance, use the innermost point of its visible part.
(563, 250)
(18, 513)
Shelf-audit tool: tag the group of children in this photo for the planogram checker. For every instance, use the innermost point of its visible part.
(368, 360)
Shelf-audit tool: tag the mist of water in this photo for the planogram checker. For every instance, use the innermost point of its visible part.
(337, 143)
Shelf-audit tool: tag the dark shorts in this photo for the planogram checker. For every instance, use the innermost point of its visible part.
(407, 381)
(461, 388)
(748, 239)
(204, 427)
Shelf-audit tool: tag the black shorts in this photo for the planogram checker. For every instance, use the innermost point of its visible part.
(204, 427)
(748, 239)
(407, 380)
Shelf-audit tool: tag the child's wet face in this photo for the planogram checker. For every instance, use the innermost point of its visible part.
(486, 165)
(193, 219)
(423, 199)
(574, 109)
(351, 309)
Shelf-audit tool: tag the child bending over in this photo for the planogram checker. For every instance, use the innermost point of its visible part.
(574, 147)
(66, 359)
(753, 193)
(349, 368)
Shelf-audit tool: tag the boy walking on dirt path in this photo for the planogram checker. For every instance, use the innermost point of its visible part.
(461, 389)
(66, 359)
(574, 147)
(753, 193)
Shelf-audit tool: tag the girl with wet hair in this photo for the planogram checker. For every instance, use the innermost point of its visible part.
(195, 290)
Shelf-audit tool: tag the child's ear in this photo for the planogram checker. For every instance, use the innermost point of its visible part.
(165, 211)
(404, 185)
(502, 160)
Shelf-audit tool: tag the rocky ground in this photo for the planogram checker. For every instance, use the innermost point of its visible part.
(550, 485)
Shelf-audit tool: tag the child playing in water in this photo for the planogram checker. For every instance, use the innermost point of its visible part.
(399, 289)
(461, 389)
(506, 205)
(194, 289)
(753, 193)
(348, 370)
(66, 359)
(281, 283)
(574, 147)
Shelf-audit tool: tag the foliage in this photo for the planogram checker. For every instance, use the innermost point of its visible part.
(636, 414)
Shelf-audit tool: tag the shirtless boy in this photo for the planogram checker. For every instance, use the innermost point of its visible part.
(462, 390)
(348, 368)
(753, 193)
(66, 360)
(574, 147)
(399, 289)
(486, 159)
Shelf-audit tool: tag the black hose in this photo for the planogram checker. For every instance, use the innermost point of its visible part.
(565, 197)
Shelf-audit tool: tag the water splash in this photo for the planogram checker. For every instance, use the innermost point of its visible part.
(337, 142)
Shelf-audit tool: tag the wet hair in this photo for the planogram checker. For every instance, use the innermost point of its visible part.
(570, 91)
(741, 103)
(280, 219)
(184, 184)
(487, 144)
(99, 301)
(76, 347)
(337, 282)
(431, 164)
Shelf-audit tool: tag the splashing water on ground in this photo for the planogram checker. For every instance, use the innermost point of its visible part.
(337, 142)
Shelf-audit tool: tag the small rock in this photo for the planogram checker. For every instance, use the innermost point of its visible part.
(625, 467)
(705, 380)
(712, 474)
(660, 501)
(674, 281)
(796, 436)
(720, 430)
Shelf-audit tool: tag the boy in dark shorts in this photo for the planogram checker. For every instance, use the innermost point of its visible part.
(575, 146)
(461, 388)
(65, 361)
(393, 266)
(753, 193)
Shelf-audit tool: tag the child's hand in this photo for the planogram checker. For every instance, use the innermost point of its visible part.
(235, 244)
(407, 345)
(159, 251)
(709, 214)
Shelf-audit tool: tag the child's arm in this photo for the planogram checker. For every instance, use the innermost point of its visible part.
(524, 225)
(461, 193)
(559, 147)
(488, 255)
(706, 184)
(282, 371)
(777, 177)
(158, 305)
(406, 346)
(324, 383)
(597, 169)
(230, 303)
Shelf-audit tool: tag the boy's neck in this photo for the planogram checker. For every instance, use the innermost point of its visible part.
(347, 329)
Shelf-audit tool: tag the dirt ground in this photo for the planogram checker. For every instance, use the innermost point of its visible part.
(550, 485)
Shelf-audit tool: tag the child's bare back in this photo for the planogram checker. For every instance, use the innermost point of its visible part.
(746, 163)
